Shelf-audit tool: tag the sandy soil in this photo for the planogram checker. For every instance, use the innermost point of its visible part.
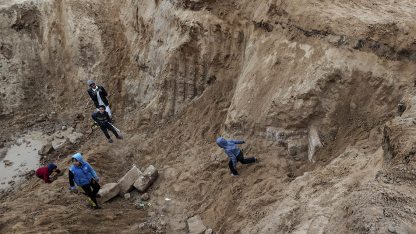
(312, 86)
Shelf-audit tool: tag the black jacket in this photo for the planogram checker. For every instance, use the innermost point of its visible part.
(103, 95)
(102, 119)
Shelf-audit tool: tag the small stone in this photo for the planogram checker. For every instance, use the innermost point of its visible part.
(59, 136)
(7, 163)
(145, 197)
(75, 137)
(46, 149)
(127, 196)
(19, 142)
(209, 231)
(195, 225)
(139, 204)
(64, 128)
(401, 108)
(392, 229)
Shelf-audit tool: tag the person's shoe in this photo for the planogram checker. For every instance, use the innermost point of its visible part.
(96, 207)
(233, 175)
(256, 160)
(110, 141)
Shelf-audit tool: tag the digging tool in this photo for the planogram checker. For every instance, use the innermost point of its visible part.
(87, 104)
(118, 130)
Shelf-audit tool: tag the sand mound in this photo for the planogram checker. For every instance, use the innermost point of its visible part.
(312, 87)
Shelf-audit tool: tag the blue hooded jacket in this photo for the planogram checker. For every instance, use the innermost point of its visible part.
(84, 173)
(230, 147)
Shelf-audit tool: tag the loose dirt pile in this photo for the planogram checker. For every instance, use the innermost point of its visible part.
(312, 86)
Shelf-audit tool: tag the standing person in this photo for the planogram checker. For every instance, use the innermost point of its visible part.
(234, 153)
(82, 174)
(102, 118)
(44, 173)
(98, 96)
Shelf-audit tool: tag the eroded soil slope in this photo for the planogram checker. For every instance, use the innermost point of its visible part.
(312, 86)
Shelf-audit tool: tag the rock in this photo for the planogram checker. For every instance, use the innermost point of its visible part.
(19, 142)
(195, 225)
(126, 183)
(109, 191)
(142, 225)
(401, 108)
(146, 179)
(298, 148)
(75, 137)
(334, 39)
(46, 149)
(59, 136)
(145, 197)
(58, 145)
(7, 163)
(139, 204)
(127, 196)
(209, 231)
(63, 128)
(392, 229)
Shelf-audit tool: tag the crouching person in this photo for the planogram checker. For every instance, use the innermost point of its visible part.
(103, 120)
(234, 153)
(45, 173)
(82, 174)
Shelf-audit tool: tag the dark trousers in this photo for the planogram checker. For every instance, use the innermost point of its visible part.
(240, 158)
(106, 127)
(91, 190)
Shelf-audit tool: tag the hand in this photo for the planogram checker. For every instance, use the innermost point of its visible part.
(73, 189)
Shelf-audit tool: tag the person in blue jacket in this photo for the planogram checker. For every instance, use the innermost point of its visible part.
(234, 153)
(82, 174)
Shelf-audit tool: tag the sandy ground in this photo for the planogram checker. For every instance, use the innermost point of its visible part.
(313, 87)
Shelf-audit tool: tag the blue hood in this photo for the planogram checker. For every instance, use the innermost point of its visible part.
(79, 158)
(221, 142)
(51, 166)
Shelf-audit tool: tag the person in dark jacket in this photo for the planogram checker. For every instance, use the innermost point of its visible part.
(82, 174)
(103, 120)
(98, 95)
(234, 153)
(44, 173)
